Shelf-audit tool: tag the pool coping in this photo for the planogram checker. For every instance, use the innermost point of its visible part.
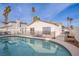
(71, 48)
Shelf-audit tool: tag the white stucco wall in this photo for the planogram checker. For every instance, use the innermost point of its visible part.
(38, 25)
(76, 33)
(16, 29)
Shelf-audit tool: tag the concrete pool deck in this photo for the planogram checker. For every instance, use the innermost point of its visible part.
(73, 49)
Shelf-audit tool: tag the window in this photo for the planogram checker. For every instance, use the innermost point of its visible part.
(47, 30)
(32, 31)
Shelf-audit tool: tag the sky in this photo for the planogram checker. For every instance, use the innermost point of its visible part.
(54, 12)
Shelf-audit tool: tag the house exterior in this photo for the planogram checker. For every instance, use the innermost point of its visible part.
(14, 27)
(36, 28)
(41, 28)
(17, 27)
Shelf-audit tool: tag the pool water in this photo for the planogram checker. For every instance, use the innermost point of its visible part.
(23, 46)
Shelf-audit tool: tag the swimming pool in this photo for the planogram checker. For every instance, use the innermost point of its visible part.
(24, 46)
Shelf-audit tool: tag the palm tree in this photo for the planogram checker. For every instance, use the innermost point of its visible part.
(36, 18)
(6, 13)
(69, 20)
(33, 9)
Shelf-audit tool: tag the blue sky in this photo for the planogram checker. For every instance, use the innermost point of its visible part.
(56, 12)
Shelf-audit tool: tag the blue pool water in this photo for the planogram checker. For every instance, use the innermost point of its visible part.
(22, 46)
